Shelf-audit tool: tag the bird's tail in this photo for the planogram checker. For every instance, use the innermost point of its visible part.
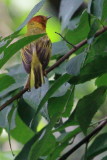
(36, 76)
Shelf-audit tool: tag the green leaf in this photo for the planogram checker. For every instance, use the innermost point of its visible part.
(69, 104)
(35, 98)
(43, 147)
(27, 115)
(102, 80)
(63, 142)
(1, 131)
(58, 149)
(6, 155)
(104, 14)
(98, 146)
(74, 65)
(7, 40)
(74, 22)
(81, 31)
(61, 68)
(5, 112)
(21, 129)
(94, 27)
(99, 48)
(58, 83)
(59, 48)
(5, 81)
(46, 144)
(96, 8)
(16, 46)
(62, 104)
(95, 68)
(20, 77)
(104, 158)
(23, 155)
(65, 6)
(67, 136)
(11, 119)
(88, 106)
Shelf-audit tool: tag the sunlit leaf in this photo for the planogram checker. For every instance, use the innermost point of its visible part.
(102, 80)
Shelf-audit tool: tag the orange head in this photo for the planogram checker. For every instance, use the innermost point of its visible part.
(38, 22)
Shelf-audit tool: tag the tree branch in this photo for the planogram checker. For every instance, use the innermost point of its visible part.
(62, 59)
(17, 96)
(85, 140)
(77, 46)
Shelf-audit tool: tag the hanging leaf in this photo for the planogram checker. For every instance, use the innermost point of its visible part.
(88, 106)
(96, 8)
(53, 89)
(62, 104)
(5, 81)
(74, 65)
(23, 155)
(65, 6)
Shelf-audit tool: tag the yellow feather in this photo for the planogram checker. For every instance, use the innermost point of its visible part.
(32, 80)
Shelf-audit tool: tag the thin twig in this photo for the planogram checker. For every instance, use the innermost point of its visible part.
(66, 40)
(86, 139)
(62, 59)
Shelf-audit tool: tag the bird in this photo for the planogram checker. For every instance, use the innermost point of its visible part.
(36, 55)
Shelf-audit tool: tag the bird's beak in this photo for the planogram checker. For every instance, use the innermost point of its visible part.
(49, 17)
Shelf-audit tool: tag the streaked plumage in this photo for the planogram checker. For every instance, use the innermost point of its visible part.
(36, 55)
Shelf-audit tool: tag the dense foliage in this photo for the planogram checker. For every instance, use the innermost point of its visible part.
(56, 99)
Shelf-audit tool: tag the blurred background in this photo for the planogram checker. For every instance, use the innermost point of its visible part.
(12, 14)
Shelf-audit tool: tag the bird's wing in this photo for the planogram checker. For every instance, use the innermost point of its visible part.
(43, 48)
(26, 54)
